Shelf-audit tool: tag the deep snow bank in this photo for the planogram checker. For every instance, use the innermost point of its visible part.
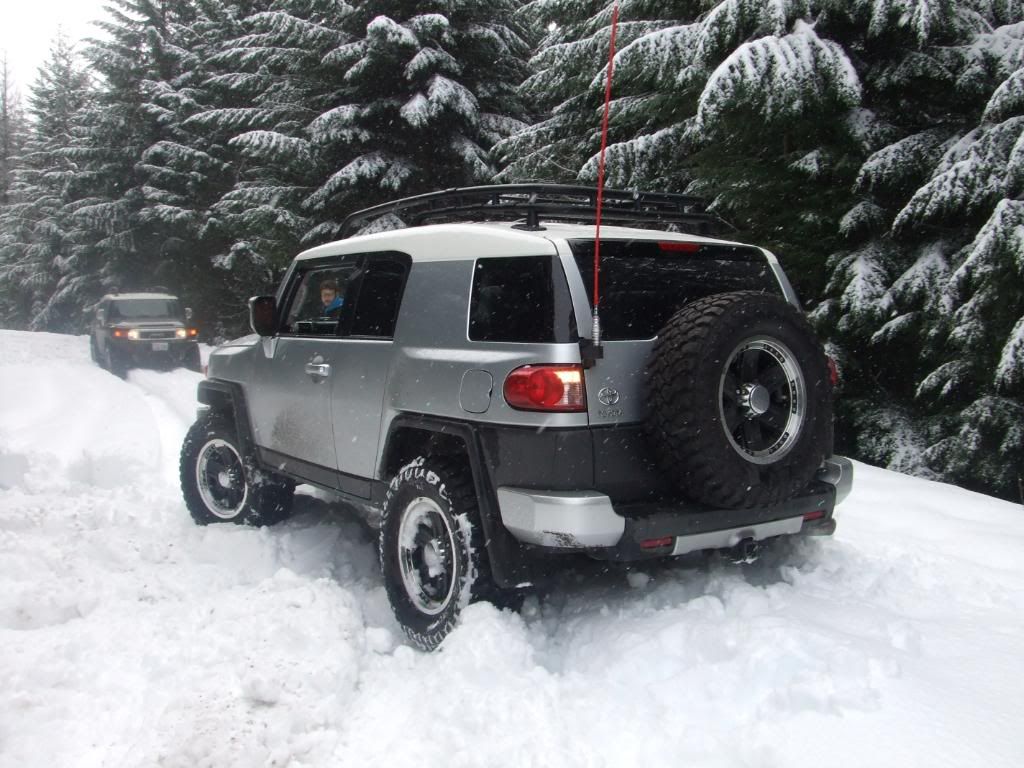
(130, 637)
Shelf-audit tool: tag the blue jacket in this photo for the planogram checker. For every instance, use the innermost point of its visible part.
(334, 306)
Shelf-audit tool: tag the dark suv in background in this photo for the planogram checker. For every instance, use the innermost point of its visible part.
(133, 330)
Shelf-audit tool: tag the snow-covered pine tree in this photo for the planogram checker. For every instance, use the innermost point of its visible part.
(38, 284)
(187, 173)
(742, 95)
(140, 52)
(270, 81)
(425, 91)
(12, 128)
(928, 295)
(565, 88)
(977, 187)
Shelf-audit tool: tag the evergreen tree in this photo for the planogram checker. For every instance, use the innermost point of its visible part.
(956, 310)
(140, 53)
(41, 287)
(12, 129)
(426, 91)
(188, 172)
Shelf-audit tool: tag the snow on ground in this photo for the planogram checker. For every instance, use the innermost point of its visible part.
(130, 637)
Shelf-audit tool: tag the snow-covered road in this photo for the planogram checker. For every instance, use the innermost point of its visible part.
(131, 637)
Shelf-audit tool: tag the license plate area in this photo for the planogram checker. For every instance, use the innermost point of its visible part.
(160, 346)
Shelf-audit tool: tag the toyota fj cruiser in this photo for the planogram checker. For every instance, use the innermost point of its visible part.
(460, 402)
(142, 329)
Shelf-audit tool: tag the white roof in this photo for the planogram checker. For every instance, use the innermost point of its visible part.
(456, 242)
(118, 296)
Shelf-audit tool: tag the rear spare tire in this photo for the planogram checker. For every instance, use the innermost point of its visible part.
(740, 402)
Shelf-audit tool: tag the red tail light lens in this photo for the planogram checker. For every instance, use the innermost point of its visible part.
(833, 372)
(555, 388)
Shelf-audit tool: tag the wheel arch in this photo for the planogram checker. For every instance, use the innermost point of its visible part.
(228, 398)
(411, 435)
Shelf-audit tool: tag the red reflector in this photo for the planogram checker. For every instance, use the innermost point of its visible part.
(557, 388)
(833, 372)
(656, 543)
(816, 515)
(679, 247)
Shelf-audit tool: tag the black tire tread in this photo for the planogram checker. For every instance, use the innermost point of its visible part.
(674, 402)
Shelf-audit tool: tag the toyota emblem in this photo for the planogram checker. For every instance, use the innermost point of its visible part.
(608, 396)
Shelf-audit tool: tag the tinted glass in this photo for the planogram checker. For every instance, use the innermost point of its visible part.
(521, 299)
(380, 295)
(642, 285)
(143, 309)
(321, 303)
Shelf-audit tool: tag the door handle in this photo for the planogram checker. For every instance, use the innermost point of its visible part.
(318, 370)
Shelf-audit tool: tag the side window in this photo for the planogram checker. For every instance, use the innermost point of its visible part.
(521, 299)
(321, 303)
(380, 296)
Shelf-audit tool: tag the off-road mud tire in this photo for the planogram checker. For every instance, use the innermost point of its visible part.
(268, 498)
(447, 485)
(685, 423)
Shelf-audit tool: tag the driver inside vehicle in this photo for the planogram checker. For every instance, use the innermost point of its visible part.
(330, 300)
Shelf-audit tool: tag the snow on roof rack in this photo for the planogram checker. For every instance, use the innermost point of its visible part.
(534, 202)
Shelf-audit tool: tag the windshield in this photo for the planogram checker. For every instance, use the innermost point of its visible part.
(644, 282)
(144, 309)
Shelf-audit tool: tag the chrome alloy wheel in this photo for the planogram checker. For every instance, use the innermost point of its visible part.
(426, 556)
(762, 399)
(220, 478)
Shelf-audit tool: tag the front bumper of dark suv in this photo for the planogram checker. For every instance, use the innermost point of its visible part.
(588, 521)
(155, 352)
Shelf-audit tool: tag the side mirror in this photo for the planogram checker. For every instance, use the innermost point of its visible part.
(101, 316)
(188, 313)
(262, 311)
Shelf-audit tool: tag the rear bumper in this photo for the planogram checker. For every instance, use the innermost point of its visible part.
(588, 521)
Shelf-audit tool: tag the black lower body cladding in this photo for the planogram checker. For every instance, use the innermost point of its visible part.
(740, 400)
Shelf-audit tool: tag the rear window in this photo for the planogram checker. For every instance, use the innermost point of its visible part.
(644, 284)
(144, 309)
(521, 299)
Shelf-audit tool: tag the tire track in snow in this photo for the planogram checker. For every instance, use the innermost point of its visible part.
(171, 399)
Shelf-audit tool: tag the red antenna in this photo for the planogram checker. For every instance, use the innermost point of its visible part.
(596, 331)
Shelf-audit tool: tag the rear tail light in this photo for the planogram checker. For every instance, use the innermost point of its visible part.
(553, 388)
(833, 371)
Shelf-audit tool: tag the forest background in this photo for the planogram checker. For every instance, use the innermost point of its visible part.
(876, 146)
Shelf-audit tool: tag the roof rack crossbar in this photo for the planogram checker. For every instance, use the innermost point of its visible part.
(532, 202)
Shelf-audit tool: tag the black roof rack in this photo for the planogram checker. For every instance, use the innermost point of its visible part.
(534, 202)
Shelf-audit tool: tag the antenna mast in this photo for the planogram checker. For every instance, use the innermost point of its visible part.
(596, 329)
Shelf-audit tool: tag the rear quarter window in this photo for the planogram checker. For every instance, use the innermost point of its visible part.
(644, 284)
(521, 299)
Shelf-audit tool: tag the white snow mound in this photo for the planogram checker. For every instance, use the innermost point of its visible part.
(131, 637)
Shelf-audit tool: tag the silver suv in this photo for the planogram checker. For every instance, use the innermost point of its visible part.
(442, 379)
